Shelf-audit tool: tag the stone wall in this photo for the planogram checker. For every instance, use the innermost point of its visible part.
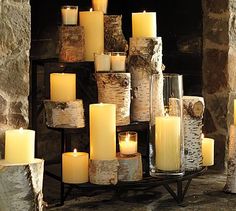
(14, 65)
(219, 69)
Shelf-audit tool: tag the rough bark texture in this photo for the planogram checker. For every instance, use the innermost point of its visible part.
(145, 59)
(230, 186)
(64, 114)
(130, 167)
(14, 65)
(114, 38)
(193, 109)
(115, 88)
(219, 69)
(103, 172)
(21, 186)
(71, 43)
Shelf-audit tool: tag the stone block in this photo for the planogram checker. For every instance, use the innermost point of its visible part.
(220, 146)
(216, 30)
(208, 123)
(232, 68)
(17, 120)
(217, 104)
(3, 105)
(215, 6)
(16, 107)
(215, 72)
(232, 29)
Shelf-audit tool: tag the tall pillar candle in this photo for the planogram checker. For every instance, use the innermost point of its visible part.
(102, 131)
(63, 87)
(75, 167)
(208, 151)
(168, 139)
(235, 112)
(19, 146)
(144, 24)
(100, 5)
(93, 23)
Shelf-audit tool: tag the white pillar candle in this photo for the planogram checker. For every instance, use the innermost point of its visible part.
(63, 87)
(128, 143)
(144, 24)
(19, 146)
(207, 151)
(93, 23)
(102, 131)
(75, 167)
(168, 140)
(100, 5)
(118, 61)
(69, 15)
(102, 62)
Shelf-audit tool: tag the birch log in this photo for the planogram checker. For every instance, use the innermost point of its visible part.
(130, 167)
(103, 172)
(115, 88)
(114, 38)
(193, 109)
(230, 186)
(145, 59)
(71, 43)
(64, 114)
(21, 186)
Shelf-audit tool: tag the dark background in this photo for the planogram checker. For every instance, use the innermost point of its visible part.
(179, 23)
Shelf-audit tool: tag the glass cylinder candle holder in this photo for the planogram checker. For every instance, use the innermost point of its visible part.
(166, 131)
(102, 61)
(128, 142)
(100, 5)
(69, 15)
(118, 60)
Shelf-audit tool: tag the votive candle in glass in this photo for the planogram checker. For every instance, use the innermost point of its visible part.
(128, 142)
(69, 15)
(102, 61)
(118, 61)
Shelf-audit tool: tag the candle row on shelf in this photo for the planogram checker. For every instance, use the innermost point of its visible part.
(114, 61)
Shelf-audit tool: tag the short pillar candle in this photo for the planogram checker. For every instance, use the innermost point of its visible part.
(19, 145)
(144, 24)
(118, 61)
(63, 87)
(207, 151)
(128, 142)
(102, 131)
(75, 167)
(69, 15)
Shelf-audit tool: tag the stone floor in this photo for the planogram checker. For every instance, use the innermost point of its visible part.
(205, 193)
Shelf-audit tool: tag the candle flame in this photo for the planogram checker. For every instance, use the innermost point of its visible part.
(144, 11)
(127, 138)
(91, 9)
(202, 136)
(75, 150)
(21, 130)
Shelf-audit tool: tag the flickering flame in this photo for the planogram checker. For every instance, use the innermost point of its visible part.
(202, 136)
(75, 150)
(127, 138)
(91, 9)
(144, 11)
(21, 130)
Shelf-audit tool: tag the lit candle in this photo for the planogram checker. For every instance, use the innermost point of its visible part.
(93, 23)
(118, 61)
(75, 167)
(207, 151)
(168, 139)
(69, 15)
(63, 87)
(144, 24)
(128, 143)
(100, 5)
(19, 146)
(102, 62)
(102, 131)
